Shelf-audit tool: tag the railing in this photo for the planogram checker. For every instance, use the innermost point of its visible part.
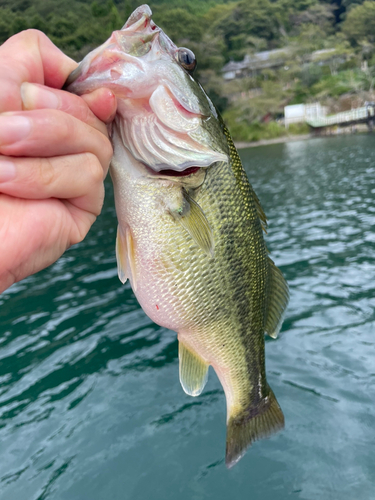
(355, 115)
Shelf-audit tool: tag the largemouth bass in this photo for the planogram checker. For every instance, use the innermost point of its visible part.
(190, 234)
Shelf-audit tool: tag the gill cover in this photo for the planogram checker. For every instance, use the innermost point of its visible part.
(164, 116)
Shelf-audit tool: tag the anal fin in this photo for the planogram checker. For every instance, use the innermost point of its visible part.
(193, 370)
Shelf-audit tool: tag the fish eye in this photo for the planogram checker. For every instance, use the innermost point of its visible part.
(187, 59)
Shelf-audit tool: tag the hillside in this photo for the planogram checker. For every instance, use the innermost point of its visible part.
(342, 33)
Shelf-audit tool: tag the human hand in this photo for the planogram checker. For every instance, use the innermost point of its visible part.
(54, 156)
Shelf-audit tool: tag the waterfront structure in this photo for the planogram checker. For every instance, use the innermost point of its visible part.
(253, 64)
(300, 113)
(364, 114)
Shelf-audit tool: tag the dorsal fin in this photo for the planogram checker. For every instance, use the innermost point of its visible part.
(193, 370)
(236, 162)
(260, 211)
(277, 300)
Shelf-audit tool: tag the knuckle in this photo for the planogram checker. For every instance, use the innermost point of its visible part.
(82, 223)
(107, 151)
(30, 38)
(76, 106)
(99, 202)
(66, 126)
(30, 35)
(34, 33)
(42, 173)
(95, 168)
(77, 234)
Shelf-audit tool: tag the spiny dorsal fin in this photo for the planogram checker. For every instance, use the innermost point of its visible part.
(277, 300)
(196, 224)
(236, 162)
(252, 424)
(121, 256)
(193, 370)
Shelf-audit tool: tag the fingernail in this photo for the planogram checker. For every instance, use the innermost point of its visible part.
(7, 171)
(13, 128)
(38, 97)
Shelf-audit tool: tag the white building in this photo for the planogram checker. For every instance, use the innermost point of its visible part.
(299, 113)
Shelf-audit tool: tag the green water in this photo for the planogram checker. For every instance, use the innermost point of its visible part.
(90, 403)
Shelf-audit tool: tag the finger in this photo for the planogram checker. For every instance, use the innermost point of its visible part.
(50, 132)
(102, 103)
(35, 96)
(72, 177)
(35, 233)
(30, 56)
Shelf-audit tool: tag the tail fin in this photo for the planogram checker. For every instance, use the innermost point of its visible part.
(253, 424)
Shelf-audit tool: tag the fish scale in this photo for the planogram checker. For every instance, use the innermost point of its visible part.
(191, 244)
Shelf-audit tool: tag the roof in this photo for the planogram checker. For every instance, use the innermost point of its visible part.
(259, 59)
(268, 59)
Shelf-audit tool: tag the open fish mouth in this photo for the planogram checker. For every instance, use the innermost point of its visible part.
(188, 171)
(175, 173)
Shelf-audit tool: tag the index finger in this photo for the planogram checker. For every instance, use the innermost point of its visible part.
(35, 96)
(30, 56)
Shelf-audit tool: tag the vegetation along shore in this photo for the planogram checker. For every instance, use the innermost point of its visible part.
(254, 56)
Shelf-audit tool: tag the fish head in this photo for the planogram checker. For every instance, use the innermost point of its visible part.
(164, 117)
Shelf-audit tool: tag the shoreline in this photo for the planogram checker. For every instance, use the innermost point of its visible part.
(277, 140)
(299, 137)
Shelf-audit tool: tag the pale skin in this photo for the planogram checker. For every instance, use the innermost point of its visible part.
(54, 156)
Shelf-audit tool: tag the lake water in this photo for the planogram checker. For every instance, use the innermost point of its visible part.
(91, 407)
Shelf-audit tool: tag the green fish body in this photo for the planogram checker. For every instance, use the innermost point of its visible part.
(190, 236)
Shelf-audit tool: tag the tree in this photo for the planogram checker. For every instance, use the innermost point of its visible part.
(359, 24)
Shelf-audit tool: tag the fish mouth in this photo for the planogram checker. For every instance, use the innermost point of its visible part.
(175, 173)
(162, 119)
(169, 172)
(190, 178)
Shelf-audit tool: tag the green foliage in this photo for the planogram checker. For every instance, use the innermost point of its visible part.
(360, 23)
(220, 30)
(342, 83)
(311, 74)
(236, 23)
(179, 23)
(298, 128)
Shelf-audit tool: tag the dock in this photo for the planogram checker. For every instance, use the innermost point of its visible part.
(365, 114)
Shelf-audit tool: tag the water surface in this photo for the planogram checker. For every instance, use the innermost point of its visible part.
(90, 403)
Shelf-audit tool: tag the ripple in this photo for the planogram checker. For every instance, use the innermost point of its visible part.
(90, 401)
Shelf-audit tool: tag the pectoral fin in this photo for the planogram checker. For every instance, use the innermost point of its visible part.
(193, 370)
(122, 257)
(196, 224)
(131, 259)
(125, 255)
